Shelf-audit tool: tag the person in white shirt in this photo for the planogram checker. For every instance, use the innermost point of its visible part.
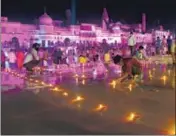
(12, 59)
(32, 58)
(132, 43)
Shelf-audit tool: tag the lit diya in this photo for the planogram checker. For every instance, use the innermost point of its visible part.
(56, 89)
(132, 117)
(130, 87)
(172, 130)
(78, 99)
(65, 94)
(101, 108)
(113, 83)
(164, 78)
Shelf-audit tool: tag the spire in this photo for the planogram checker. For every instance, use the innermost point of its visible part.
(105, 15)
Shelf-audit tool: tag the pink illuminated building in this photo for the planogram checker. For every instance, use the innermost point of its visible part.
(48, 31)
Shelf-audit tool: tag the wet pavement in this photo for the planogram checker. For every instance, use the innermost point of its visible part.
(40, 110)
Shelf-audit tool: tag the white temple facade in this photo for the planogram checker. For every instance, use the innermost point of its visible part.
(48, 31)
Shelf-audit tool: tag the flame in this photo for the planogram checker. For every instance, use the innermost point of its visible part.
(150, 74)
(65, 94)
(113, 83)
(78, 99)
(101, 107)
(164, 78)
(130, 87)
(132, 117)
(172, 130)
(56, 89)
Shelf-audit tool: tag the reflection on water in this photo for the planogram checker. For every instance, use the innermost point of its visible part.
(152, 95)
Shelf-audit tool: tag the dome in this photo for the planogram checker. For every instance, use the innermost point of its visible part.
(45, 19)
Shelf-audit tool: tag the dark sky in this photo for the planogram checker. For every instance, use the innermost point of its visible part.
(91, 10)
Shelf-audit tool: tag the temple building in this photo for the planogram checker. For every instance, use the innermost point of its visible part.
(48, 31)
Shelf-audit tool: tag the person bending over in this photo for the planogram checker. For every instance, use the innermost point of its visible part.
(130, 67)
(32, 59)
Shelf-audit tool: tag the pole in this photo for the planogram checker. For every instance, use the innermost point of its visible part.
(73, 9)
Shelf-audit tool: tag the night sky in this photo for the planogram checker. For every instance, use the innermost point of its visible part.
(91, 10)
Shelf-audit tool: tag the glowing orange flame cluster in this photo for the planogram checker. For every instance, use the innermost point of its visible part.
(132, 117)
(101, 108)
(164, 78)
(113, 83)
(130, 87)
(171, 130)
(65, 94)
(78, 99)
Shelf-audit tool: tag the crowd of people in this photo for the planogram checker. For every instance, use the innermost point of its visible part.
(127, 55)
